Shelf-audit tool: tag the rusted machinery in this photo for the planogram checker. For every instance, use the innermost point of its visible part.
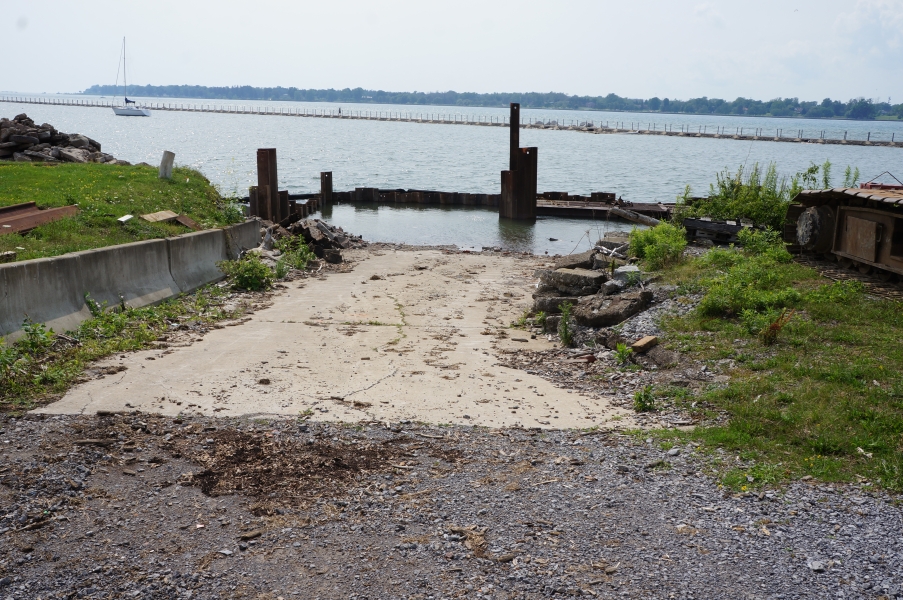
(860, 227)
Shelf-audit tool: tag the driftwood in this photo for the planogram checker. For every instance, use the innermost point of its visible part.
(632, 216)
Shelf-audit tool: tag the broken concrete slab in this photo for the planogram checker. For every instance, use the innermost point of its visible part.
(627, 273)
(574, 282)
(583, 260)
(605, 311)
(549, 302)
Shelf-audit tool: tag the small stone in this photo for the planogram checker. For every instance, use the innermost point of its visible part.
(225, 552)
(673, 451)
(817, 566)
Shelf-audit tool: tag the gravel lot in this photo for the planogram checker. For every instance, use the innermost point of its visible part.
(143, 506)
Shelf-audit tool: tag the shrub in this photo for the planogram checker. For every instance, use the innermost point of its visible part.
(248, 273)
(564, 325)
(644, 400)
(658, 246)
(763, 241)
(295, 253)
(623, 353)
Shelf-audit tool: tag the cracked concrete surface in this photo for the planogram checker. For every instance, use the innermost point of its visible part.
(405, 335)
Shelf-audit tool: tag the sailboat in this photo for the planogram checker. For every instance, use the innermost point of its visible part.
(125, 110)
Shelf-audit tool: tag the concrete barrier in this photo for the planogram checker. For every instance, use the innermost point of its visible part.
(52, 290)
(137, 272)
(242, 237)
(45, 290)
(193, 258)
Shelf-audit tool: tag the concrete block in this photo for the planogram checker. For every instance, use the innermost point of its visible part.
(644, 344)
(193, 258)
(139, 272)
(243, 236)
(46, 290)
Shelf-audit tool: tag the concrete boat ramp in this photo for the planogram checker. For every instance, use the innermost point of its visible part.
(404, 335)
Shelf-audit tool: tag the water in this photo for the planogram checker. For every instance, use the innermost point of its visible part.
(461, 158)
(468, 227)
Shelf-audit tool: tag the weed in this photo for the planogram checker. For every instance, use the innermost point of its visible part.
(540, 319)
(521, 322)
(42, 364)
(564, 325)
(295, 252)
(282, 268)
(659, 246)
(769, 335)
(623, 353)
(644, 400)
(248, 273)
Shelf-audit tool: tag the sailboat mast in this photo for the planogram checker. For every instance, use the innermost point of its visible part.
(125, 84)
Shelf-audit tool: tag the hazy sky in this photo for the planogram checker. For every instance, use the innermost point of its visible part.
(638, 48)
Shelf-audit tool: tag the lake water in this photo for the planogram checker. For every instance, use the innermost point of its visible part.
(462, 158)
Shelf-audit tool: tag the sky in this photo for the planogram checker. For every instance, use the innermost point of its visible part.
(638, 49)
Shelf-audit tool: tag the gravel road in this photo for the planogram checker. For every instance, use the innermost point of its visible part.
(143, 506)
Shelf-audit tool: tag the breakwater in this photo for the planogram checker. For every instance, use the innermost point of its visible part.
(585, 126)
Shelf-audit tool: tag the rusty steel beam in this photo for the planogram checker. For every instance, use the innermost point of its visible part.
(326, 187)
(23, 222)
(17, 209)
(514, 130)
(267, 176)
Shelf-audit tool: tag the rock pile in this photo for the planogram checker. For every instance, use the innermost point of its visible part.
(598, 285)
(21, 140)
(326, 241)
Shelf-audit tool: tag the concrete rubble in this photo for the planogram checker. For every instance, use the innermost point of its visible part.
(602, 289)
(22, 140)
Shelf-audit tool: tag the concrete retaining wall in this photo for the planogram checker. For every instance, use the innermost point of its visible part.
(193, 258)
(52, 290)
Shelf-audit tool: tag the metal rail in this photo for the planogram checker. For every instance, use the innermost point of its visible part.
(622, 127)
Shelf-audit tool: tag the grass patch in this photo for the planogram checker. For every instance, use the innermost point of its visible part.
(104, 193)
(823, 398)
(42, 365)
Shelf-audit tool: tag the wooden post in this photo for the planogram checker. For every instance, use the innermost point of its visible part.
(326, 186)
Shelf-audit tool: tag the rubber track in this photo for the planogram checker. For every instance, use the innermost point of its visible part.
(833, 271)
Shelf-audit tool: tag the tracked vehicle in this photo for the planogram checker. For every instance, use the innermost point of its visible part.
(860, 228)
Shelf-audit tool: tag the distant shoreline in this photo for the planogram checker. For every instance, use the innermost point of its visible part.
(854, 110)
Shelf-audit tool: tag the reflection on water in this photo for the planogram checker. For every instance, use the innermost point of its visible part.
(466, 227)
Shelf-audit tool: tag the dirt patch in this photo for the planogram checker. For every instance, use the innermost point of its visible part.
(258, 465)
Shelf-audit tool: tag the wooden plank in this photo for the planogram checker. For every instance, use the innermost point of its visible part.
(163, 215)
(28, 221)
(188, 222)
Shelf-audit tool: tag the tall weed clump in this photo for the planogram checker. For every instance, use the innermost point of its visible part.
(658, 246)
(758, 195)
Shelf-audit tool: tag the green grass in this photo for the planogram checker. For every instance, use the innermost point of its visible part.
(42, 365)
(825, 399)
(104, 193)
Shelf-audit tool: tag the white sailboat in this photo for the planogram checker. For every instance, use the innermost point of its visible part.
(125, 110)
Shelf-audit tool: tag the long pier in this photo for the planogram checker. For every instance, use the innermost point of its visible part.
(619, 127)
(548, 204)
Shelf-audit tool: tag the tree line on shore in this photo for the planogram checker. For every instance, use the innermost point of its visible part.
(857, 108)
